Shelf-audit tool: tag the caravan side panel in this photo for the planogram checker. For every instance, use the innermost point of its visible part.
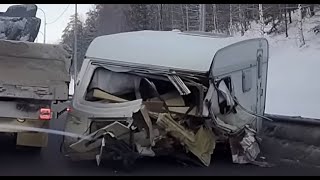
(246, 62)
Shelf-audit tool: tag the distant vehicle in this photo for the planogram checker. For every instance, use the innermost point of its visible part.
(33, 76)
(152, 93)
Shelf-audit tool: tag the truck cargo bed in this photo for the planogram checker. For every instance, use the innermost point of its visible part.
(32, 70)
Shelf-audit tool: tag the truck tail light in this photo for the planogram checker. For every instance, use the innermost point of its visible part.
(45, 114)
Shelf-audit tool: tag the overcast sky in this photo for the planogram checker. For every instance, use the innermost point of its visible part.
(53, 11)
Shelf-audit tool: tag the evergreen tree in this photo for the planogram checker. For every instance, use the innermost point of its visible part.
(68, 39)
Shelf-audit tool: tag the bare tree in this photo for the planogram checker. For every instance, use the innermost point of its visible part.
(285, 19)
(214, 16)
(202, 12)
(68, 38)
(290, 19)
(193, 17)
(187, 17)
(261, 20)
(230, 20)
(177, 13)
(300, 32)
(183, 16)
(160, 17)
(241, 20)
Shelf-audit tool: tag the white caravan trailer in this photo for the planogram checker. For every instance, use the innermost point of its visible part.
(154, 93)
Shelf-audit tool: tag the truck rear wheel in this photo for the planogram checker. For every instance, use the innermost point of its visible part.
(28, 149)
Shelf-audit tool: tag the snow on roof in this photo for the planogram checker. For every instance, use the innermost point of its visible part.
(160, 48)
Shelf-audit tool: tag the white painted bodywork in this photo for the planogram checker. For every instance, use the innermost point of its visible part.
(159, 48)
(234, 60)
(161, 52)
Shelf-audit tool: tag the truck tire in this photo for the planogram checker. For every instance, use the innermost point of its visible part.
(29, 149)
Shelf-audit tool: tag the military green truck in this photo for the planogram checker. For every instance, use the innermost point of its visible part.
(33, 76)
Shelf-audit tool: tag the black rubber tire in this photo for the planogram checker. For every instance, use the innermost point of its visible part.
(29, 149)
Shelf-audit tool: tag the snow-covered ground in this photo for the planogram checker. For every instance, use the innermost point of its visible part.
(293, 73)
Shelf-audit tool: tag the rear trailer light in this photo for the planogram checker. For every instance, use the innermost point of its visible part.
(45, 114)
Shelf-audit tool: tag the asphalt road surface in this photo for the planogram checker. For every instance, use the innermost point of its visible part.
(51, 162)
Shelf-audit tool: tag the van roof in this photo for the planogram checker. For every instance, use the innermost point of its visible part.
(178, 50)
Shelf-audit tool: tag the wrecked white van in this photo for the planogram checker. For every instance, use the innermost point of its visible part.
(156, 93)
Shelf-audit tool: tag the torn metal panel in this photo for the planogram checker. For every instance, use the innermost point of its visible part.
(223, 126)
(234, 121)
(95, 140)
(244, 148)
(179, 84)
(250, 144)
(211, 108)
(115, 149)
(223, 89)
(211, 105)
(147, 119)
(99, 156)
(238, 120)
(200, 144)
(170, 125)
